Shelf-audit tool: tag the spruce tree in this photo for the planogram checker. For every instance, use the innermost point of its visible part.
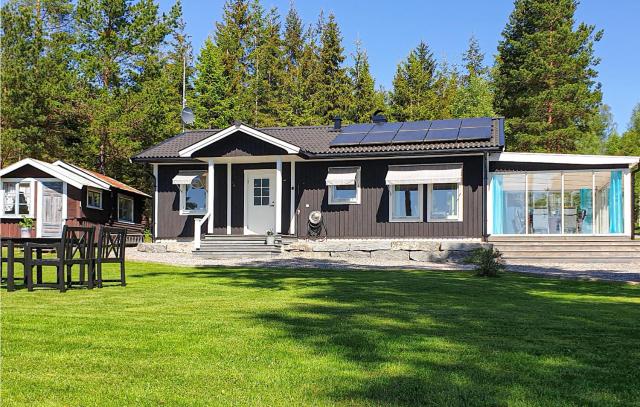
(413, 96)
(364, 96)
(311, 80)
(545, 77)
(210, 89)
(474, 97)
(294, 46)
(333, 96)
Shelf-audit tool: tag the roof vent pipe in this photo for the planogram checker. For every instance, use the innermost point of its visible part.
(378, 117)
(337, 123)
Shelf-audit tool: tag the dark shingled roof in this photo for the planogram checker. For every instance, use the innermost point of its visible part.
(315, 140)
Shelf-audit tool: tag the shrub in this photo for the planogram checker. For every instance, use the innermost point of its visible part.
(26, 222)
(488, 262)
(147, 236)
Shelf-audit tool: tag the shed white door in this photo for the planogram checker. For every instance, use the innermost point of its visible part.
(260, 204)
(51, 210)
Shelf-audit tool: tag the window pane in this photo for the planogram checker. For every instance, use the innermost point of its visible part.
(508, 192)
(195, 198)
(24, 199)
(257, 192)
(265, 200)
(257, 182)
(125, 209)
(94, 199)
(444, 201)
(265, 182)
(578, 205)
(608, 208)
(257, 201)
(344, 193)
(405, 201)
(9, 197)
(544, 203)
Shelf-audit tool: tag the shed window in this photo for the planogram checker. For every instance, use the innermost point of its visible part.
(344, 185)
(125, 208)
(17, 198)
(94, 198)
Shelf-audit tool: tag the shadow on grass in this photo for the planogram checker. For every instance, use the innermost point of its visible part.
(444, 338)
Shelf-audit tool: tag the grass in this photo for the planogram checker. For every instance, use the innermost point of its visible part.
(206, 336)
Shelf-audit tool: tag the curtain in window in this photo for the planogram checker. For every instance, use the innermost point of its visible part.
(616, 223)
(587, 206)
(498, 204)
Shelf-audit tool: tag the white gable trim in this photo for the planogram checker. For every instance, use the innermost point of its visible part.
(54, 171)
(82, 174)
(582, 159)
(289, 148)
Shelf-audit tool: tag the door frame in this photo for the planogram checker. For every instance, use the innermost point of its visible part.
(39, 203)
(247, 173)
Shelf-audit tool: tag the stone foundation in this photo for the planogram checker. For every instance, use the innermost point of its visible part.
(396, 250)
(164, 246)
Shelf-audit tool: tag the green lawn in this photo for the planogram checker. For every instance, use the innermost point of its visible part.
(188, 336)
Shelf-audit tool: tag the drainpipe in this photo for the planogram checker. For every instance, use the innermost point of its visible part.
(485, 164)
(634, 213)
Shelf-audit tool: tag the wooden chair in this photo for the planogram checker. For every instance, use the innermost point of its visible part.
(111, 248)
(75, 249)
(11, 261)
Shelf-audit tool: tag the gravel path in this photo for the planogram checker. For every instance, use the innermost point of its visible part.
(590, 271)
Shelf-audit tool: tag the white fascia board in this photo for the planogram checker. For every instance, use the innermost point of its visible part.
(50, 169)
(289, 148)
(99, 183)
(581, 159)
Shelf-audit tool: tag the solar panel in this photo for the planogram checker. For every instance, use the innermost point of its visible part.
(474, 133)
(349, 139)
(410, 136)
(378, 138)
(442, 134)
(445, 124)
(419, 125)
(386, 127)
(476, 122)
(357, 128)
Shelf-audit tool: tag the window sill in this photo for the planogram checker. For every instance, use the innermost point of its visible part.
(193, 213)
(126, 221)
(444, 220)
(94, 207)
(10, 216)
(344, 203)
(406, 220)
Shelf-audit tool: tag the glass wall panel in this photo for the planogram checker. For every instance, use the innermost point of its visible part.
(545, 200)
(578, 202)
(609, 198)
(508, 193)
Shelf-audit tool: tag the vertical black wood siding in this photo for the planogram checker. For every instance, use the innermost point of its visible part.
(371, 217)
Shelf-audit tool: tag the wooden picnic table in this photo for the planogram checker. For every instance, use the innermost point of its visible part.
(11, 242)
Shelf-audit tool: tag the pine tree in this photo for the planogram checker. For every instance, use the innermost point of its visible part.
(40, 117)
(545, 77)
(121, 61)
(473, 59)
(333, 96)
(364, 96)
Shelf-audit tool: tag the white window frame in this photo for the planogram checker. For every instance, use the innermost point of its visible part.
(413, 219)
(332, 199)
(183, 203)
(18, 181)
(457, 218)
(133, 209)
(97, 191)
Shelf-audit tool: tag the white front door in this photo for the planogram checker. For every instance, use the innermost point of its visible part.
(51, 209)
(260, 202)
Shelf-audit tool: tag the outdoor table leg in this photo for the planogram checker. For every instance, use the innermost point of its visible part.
(10, 282)
(39, 267)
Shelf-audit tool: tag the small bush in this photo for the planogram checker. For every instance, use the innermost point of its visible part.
(488, 262)
(147, 236)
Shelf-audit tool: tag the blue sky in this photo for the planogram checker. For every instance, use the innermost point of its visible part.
(390, 29)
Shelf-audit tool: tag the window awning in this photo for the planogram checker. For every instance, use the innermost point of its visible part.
(184, 179)
(424, 174)
(342, 176)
